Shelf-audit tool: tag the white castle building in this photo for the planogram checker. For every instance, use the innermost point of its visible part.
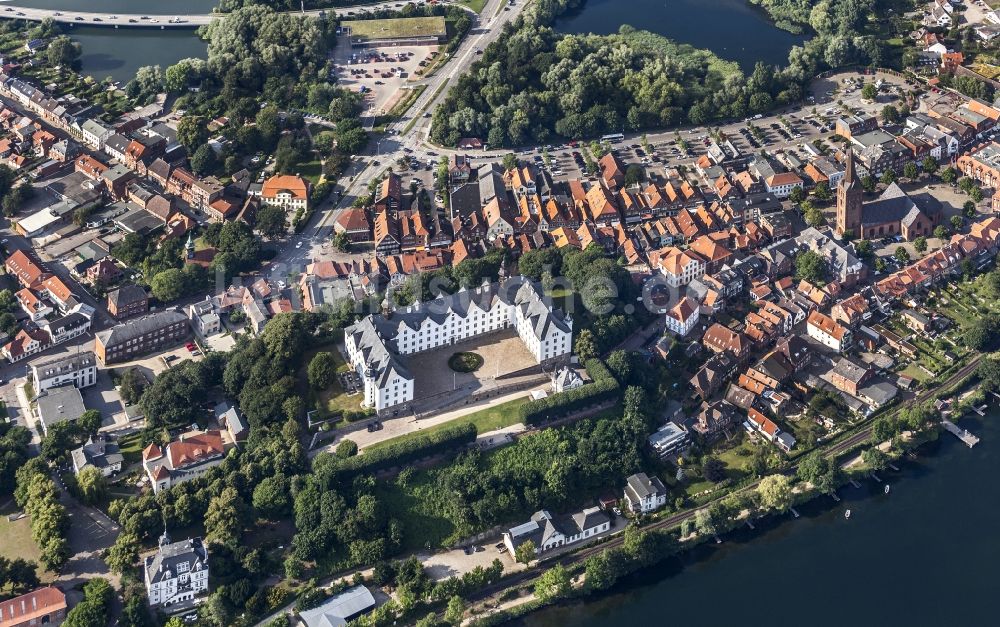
(377, 344)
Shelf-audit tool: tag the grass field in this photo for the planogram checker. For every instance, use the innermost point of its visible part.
(477, 5)
(395, 28)
(488, 419)
(15, 540)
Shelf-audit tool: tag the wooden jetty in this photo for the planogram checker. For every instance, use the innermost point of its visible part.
(960, 433)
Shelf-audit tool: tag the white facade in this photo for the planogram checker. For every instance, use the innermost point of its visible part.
(835, 336)
(376, 344)
(644, 494)
(683, 317)
(178, 572)
(204, 319)
(79, 370)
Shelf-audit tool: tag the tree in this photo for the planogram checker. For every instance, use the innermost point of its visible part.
(910, 170)
(553, 584)
(797, 195)
(271, 221)
(585, 346)
(775, 492)
(977, 195)
(814, 217)
(93, 610)
(890, 114)
(204, 160)
(812, 267)
(63, 51)
(704, 522)
(192, 132)
(509, 161)
(875, 459)
(347, 448)
(929, 165)
(634, 174)
(322, 371)
(957, 222)
(969, 209)
(271, 498)
(920, 244)
(91, 484)
(869, 91)
(941, 231)
(131, 385)
(525, 552)
(822, 191)
(884, 429)
(341, 242)
(455, 610)
(949, 175)
(122, 556)
(89, 422)
(168, 285)
(901, 255)
(812, 467)
(868, 183)
(713, 469)
(888, 177)
(224, 518)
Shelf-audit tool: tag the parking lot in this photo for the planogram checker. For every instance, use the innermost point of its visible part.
(380, 73)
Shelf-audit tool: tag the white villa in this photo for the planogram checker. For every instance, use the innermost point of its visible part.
(377, 344)
(177, 572)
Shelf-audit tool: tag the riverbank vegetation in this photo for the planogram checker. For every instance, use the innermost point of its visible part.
(533, 83)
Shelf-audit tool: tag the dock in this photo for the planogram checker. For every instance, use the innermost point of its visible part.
(960, 433)
(750, 524)
(833, 495)
(855, 484)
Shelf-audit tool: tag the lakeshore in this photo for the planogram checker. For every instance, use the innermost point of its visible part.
(890, 539)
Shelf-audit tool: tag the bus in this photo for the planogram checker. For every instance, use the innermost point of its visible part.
(614, 138)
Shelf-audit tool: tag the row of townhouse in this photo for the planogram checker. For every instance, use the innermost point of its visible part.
(54, 314)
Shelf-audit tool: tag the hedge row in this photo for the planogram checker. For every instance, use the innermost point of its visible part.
(604, 387)
(396, 454)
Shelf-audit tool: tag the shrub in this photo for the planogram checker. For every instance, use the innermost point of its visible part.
(604, 387)
(397, 453)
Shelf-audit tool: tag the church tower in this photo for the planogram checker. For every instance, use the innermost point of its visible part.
(849, 200)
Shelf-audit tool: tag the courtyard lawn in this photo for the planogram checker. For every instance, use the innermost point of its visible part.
(487, 419)
(130, 447)
(334, 398)
(311, 170)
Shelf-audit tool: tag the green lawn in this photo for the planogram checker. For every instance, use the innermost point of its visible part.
(130, 447)
(488, 419)
(311, 170)
(15, 540)
(397, 27)
(476, 5)
(334, 398)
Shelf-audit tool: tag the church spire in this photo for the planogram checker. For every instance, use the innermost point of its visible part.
(849, 173)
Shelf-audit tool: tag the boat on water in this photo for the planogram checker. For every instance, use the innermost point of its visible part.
(847, 514)
(887, 488)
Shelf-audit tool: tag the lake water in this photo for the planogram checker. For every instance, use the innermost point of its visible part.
(732, 29)
(927, 554)
(118, 53)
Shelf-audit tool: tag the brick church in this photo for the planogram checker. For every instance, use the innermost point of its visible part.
(893, 213)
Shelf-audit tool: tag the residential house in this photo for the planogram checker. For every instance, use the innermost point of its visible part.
(827, 331)
(44, 606)
(78, 369)
(177, 572)
(99, 451)
(644, 494)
